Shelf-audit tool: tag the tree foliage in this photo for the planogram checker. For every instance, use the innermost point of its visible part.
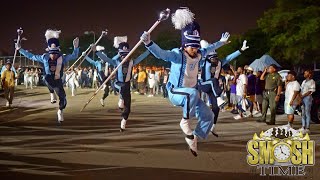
(294, 30)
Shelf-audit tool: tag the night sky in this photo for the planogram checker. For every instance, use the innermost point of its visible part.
(120, 17)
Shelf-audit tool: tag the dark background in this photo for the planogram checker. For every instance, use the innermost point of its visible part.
(120, 18)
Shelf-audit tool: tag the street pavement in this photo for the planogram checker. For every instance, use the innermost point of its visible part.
(89, 144)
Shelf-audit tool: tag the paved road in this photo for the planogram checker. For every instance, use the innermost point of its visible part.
(90, 146)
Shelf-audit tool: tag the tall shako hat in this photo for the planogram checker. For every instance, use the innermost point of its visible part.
(52, 37)
(183, 19)
(120, 42)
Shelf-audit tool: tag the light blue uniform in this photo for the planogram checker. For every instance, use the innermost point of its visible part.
(124, 73)
(98, 65)
(123, 77)
(206, 77)
(49, 69)
(210, 85)
(180, 95)
(44, 59)
(224, 61)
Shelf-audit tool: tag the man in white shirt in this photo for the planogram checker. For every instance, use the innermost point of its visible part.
(291, 94)
(241, 89)
(308, 86)
(157, 78)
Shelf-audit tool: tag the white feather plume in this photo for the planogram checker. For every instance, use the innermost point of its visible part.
(118, 40)
(204, 44)
(52, 34)
(182, 17)
(99, 48)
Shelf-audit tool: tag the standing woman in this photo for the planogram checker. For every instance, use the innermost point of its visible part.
(36, 77)
(152, 82)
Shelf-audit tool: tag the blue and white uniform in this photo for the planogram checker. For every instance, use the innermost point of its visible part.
(123, 77)
(210, 81)
(182, 84)
(101, 74)
(50, 71)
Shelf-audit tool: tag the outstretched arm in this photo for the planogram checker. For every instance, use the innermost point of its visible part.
(230, 57)
(235, 54)
(73, 56)
(90, 60)
(75, 53)
(157, 51)
(141, 57)
(27, 54)
(105, 58)
(212, 47)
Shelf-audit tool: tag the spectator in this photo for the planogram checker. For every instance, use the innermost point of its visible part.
(251, 87)
(142, 81)
(291, 96)
(241, 89)
(152, 82)
(84, 78)
(135, 80)
(164, 83)
(90, 78)
(233, 96)
(258, 93)
(157, 81)
(79, 76)
(223, 86)
(271, 95)
(228, 77)
(94, 79)
(308, 86)
(8, 82)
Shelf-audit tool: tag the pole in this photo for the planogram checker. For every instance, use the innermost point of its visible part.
(163, 16)
(87, 51)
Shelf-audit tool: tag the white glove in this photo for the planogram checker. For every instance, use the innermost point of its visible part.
(99, 48)
(224, 38)
(145, 37)
(84, 54)
(17, 46)
(244, 45)
(76, 42)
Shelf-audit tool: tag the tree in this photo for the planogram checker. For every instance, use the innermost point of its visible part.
(294, 30)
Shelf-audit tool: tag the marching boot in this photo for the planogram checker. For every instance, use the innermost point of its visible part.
(53, 98)
(123, 125)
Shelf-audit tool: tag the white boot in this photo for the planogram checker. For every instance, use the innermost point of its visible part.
(53, 98)
(213, 131)
(121, 103)
(185, 126)
(73, 92)
(7, 104)
(123, 125)
(60, 116)
(192, 143)
(221, 102)
(102, 102)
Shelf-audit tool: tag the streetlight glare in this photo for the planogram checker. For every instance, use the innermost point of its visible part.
(88, 32)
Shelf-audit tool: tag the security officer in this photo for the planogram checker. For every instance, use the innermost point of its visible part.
(271, 94)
